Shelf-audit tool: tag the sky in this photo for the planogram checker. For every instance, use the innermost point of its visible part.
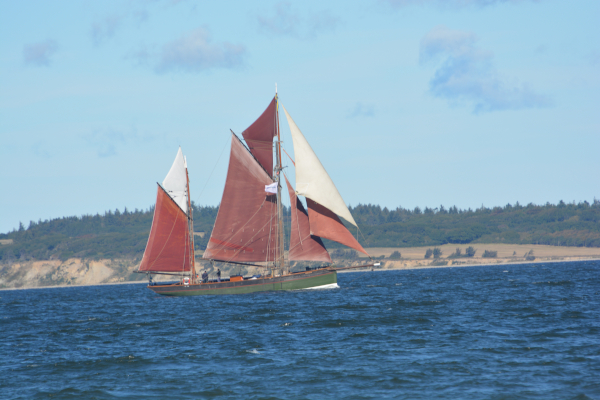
(406, 102)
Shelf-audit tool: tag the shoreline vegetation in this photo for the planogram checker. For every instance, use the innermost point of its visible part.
(123, 235)
(80, 272)
(99, 249)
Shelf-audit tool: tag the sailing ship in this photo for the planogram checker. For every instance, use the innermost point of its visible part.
(249, 229)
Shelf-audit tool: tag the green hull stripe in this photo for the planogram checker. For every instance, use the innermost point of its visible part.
(211, 289)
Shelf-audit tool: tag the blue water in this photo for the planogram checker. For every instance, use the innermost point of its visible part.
(499, 332)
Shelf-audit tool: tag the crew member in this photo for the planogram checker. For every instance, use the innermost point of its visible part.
(218, 275)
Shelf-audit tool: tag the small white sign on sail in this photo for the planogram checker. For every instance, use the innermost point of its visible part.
(271, 188)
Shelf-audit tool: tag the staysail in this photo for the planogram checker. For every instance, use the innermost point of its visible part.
(246, 225)
(259, 137)
(322, 197)
(312, 181)
(169, 245)
(326, 224)
(303, 245)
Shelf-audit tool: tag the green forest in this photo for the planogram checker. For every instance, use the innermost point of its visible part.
(123, 234)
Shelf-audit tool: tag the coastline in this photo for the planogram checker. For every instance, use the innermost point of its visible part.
(480, 264)
(77, 272)
(387, 266)
(69, 286)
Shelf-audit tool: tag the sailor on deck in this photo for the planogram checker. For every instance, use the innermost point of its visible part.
(205, 277)
(218, 275)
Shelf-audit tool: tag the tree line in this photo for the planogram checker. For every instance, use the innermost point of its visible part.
(563, 224)
(118, 234)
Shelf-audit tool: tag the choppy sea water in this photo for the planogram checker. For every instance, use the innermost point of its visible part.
(499, 332)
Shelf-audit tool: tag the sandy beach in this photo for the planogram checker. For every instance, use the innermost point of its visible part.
(414, 257)
(76, 272)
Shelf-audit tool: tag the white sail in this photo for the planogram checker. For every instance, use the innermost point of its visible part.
(175, 182)
(312, 180)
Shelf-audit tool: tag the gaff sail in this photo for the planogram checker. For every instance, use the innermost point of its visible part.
(246, 225)
(259, 137)
(303, 245)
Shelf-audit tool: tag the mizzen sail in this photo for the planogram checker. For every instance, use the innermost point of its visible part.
(303, 245)
(312, 181)
(246, 225)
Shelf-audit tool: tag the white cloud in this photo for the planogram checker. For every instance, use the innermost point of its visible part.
(284, 22)
(194, 52)
(465, 74)
(106, 141)
(105, 29)
(288, 22)
(39, 54)
(452, 3)
(362, 110)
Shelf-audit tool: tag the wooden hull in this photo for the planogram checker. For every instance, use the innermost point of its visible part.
(302, 280)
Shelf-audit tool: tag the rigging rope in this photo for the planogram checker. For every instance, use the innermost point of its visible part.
(213, 170)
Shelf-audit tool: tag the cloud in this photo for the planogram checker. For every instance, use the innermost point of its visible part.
(452, 3)
(466, 74)
(322, 22)
(362, 110)
(284, 22)
(39, 54)
(105, 29)
(194, 52)
(287, 22)
(594, 58)
(106, 141)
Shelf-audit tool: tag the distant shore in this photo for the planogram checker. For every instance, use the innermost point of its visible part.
(368, 269)
(80, 272)
(70, 286)
(487, 264)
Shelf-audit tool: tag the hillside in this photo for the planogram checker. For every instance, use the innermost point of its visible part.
(557, 225)
(123, 235)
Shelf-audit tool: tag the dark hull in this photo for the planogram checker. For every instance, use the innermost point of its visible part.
(302, 280)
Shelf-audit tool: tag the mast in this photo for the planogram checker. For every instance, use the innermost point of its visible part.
(191, 228)
(278, 168)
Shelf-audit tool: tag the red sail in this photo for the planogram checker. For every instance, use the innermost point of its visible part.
(303, 246)
(325, 223)
(168, 245)
(259, 137)
(246, 225)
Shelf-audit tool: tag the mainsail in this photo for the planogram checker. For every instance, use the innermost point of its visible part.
(259, 136)
(246, 225)
(169, 246)
(303, 245)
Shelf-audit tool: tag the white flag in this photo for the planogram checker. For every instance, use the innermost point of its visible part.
(272, 188)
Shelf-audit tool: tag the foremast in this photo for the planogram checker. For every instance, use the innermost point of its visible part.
(190, 229)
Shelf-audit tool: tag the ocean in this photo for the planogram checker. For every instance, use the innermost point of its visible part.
(496, 332)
